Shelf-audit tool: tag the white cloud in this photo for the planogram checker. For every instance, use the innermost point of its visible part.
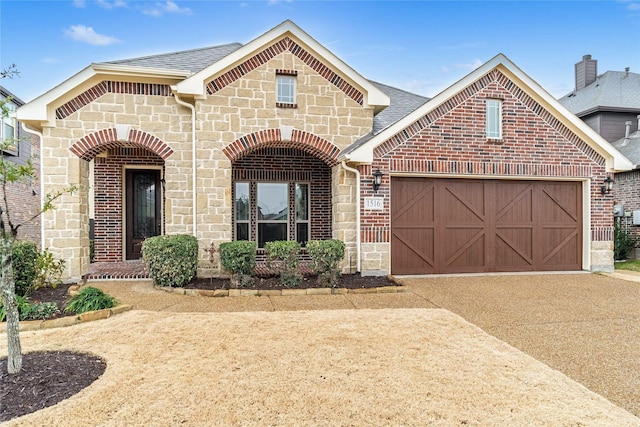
(169, 6)
(633, 6)
(84, 34)
(113, 4)
(80, 3)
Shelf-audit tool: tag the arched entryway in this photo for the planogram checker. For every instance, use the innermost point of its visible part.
(281, 190)
(126, 197)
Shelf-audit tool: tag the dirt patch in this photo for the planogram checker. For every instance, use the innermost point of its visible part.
(46, 378)
(59, 295)
(348, 281)
(331, 367)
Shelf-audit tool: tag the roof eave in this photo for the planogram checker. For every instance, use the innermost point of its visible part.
(40, 111)
(195, 85)
(615, 161)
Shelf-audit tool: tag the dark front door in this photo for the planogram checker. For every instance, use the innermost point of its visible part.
(143, 208)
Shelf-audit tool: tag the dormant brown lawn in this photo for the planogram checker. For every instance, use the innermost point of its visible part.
(409, 367)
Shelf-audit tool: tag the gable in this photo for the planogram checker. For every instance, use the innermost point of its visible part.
(270, 52)
(519, 86)
(286, 37)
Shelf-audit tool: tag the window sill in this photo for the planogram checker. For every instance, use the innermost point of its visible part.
(285, 105)
(496, 141)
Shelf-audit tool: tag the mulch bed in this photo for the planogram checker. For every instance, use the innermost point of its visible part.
(46, 378)
(59, 295)
(348, 281)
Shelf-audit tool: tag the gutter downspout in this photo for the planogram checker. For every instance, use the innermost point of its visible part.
(193, 153)
(358, 239)
(40, 169)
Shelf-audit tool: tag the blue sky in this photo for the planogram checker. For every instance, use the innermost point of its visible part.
(420, 46)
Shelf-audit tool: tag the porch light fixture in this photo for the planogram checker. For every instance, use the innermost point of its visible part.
(377, 180)
(607, 187)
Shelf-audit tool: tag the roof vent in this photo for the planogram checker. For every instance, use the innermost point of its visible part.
(586, 72)
(627, 130)
(626, 71)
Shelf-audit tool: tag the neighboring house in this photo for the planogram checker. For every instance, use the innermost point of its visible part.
(627, 184)
(280, 139)
(605, 102)
(23, 198)
(610, 104)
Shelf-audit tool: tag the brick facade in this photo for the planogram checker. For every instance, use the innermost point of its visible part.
(108, 197)
(293, 166)
(626, 192)
(451, 141)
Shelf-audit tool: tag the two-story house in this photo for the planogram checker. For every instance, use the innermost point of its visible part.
(610, 104)
(23, 198)
(279, 138)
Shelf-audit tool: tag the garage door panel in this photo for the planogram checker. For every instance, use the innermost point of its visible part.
(463, 203)
(485, 225)
(469, 256)
(514, 249)
(411, 252)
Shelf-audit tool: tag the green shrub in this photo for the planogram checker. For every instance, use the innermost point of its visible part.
(325, 256)
(171, 260)
(25, 266)
(39, 311)
(282, 255)
(23, 304)
(90, 299)
(239, 258)
(623, 243)
(49, 271)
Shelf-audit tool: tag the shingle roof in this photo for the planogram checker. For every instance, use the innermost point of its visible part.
(612, 90)
(630, 147)
(193, 60)
(402, 103)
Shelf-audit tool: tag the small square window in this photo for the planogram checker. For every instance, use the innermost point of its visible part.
(286, 89)
(494, 119)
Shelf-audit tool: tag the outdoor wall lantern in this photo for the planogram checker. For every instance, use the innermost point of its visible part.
(377, 180)
(608, 186)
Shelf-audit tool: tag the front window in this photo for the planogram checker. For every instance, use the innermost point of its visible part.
(7, 132)
(494, 119)
(302, 213)
(286, 89)
(242, 210)
(273, 212)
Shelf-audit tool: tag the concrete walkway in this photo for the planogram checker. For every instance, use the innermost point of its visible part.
(584, 325)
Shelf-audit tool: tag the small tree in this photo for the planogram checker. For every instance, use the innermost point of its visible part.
(10, 174)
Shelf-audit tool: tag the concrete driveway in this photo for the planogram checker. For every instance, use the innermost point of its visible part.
(584, 325)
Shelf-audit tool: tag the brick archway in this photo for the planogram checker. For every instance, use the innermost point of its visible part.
(319, 147)
(93, 144)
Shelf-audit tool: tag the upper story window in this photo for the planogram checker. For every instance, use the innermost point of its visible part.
(494, 119)
(286, 88)
(8, 130)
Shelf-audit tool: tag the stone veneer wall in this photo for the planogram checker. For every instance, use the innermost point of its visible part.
(242, 107)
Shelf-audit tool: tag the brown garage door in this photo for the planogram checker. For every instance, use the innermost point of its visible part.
(465, 226)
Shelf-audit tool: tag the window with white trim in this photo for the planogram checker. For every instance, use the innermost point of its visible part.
(8, 130)
(494, 119)
(286, 89)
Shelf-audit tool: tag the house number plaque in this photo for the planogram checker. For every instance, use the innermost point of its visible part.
(373, 203)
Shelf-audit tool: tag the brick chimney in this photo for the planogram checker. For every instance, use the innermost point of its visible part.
(586, 72)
